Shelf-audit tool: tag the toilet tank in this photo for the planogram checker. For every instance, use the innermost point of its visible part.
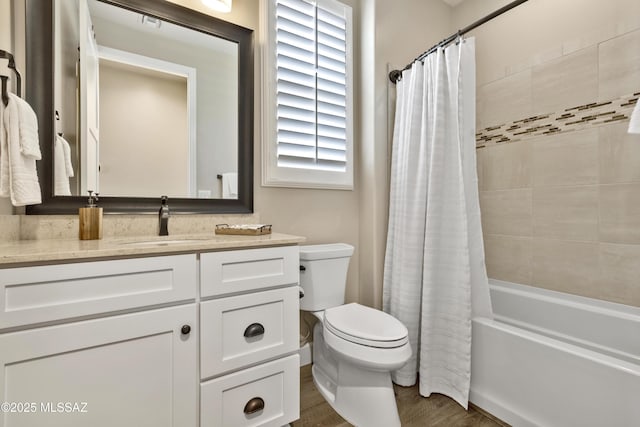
(323, 275)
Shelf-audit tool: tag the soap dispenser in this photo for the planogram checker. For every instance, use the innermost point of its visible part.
(90, 219)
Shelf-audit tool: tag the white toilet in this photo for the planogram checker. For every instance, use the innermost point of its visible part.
(355, 348)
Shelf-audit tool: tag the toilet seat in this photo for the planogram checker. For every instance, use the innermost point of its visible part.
(365, 326)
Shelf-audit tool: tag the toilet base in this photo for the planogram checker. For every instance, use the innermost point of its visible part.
(363, 397)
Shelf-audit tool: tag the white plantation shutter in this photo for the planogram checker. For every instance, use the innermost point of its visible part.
(331, 90)
(312, 94)
(296, 83)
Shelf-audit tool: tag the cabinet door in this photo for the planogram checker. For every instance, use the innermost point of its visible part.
(130, 370)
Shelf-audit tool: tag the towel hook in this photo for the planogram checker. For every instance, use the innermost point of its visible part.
(5, 95)
(12, 65)
(57, 114)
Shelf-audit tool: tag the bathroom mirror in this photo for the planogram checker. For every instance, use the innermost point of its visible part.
(152, 98)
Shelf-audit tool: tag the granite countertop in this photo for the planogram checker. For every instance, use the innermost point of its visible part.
(46, 251)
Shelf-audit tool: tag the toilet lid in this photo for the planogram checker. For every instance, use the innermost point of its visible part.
(366, 326)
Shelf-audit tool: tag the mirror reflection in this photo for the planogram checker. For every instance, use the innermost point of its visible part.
(144, 107)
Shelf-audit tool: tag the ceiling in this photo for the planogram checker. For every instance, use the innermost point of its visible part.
(112, 14)
(453, 3)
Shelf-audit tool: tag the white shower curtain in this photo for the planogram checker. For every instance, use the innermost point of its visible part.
(435, 279)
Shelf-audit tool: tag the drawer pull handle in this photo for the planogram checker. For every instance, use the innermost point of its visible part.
(253, 330)
(303, 268)
(186, 329)
(254, 405)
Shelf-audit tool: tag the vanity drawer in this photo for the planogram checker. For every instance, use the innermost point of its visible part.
(247, 329)
(232, 272)
(273, 386)
(30, 295)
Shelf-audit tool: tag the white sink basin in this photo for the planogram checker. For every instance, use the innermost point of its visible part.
(161, 242)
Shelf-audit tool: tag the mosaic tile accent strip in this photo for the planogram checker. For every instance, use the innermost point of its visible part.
(568, 120)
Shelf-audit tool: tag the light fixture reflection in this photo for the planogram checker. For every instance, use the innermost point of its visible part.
(219, 5)
(151, 21)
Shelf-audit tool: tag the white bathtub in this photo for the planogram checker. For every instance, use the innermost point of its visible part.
(553, 359)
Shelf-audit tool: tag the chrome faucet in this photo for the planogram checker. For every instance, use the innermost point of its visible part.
(163, 217)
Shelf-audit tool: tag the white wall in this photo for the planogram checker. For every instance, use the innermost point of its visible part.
(403, 30)
(5, 27)
(146, 153)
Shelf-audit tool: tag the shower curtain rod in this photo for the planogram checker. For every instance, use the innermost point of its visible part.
(395, 75)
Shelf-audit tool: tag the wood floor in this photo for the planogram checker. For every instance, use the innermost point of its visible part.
(415, 410)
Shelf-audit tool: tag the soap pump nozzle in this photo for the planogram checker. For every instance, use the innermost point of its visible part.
(93, 199)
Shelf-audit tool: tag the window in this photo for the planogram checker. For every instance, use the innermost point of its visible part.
(308, 137)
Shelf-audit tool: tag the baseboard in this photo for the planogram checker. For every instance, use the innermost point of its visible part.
(305, 354)
(498, 410)
(489, 415)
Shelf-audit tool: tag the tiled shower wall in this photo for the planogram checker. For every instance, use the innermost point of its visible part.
(559, 175)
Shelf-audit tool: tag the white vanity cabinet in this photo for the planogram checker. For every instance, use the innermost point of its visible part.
(68, 357)
(249, 337)
(196, 339)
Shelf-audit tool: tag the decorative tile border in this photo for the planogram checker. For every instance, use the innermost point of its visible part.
(568, 120)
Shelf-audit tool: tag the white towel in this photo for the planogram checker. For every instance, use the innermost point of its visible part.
(28, 127)
(634, 123)
(19, 150)
(63, 169)
(230, 185)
